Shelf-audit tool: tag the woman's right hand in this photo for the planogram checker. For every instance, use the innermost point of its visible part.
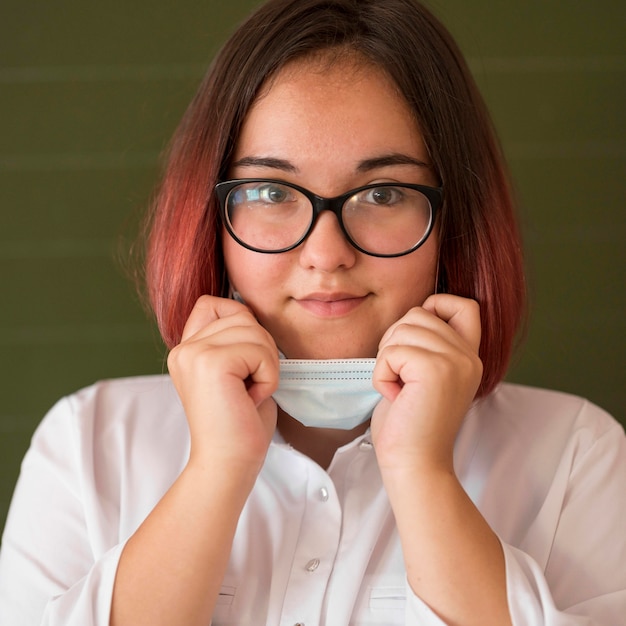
(225, 370)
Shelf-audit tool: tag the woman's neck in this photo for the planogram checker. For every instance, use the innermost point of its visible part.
(319, 444)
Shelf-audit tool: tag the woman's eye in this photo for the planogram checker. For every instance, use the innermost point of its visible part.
(383, 195)
(273, 193)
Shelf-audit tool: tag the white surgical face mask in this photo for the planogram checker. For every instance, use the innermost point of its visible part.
(335, 393)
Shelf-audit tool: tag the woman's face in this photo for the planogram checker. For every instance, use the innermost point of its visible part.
(330, 130)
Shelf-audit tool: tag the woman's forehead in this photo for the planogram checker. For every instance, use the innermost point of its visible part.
(336, 66)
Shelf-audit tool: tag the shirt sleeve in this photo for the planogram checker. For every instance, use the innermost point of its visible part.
(418, 612)
(54, 569)
(583, 578)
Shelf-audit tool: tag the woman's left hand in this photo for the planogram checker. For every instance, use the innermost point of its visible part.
(428, 371)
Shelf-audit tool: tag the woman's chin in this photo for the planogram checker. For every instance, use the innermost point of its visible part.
(322, 351)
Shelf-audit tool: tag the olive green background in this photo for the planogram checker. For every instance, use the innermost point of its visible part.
(91, 92)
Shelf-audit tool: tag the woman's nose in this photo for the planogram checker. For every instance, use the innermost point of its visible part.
(326, 248)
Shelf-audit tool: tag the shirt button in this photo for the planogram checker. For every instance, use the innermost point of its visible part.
(323, 494)
(365, 445)
(312, 565)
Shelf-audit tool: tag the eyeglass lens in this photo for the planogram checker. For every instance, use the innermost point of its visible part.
(386, 219)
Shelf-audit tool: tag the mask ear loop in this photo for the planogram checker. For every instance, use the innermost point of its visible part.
(228, 291)
(234, 295)
(440, 274)
(438, 271)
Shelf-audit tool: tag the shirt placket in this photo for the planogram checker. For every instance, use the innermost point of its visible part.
(315, 552)
(366, 514)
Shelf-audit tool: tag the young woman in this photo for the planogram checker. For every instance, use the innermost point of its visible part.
(334, 262)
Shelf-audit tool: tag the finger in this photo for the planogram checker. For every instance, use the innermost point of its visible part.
(445, 325)
(424, 329)
(421, 327)
(233, 330)
(208, 309)
(263, 379)
(386, 378)
(251, 364)
(237, 366)
(243, 319)
(461, 314)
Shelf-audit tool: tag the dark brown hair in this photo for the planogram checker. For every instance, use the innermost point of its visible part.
(480, 253)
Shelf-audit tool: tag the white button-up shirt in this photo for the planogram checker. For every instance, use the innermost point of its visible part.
(316, 547)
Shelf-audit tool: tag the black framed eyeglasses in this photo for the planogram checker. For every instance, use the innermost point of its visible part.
(380, 219)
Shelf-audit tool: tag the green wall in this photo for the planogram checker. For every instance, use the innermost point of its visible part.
(90, 93)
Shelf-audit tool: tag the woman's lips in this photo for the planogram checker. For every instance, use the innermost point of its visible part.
(330, 304)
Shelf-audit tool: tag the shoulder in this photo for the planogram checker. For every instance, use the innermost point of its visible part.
(545, 406)
(115, 409)
(521, 447)
(542, 419)
(124, 395)
(115, 446)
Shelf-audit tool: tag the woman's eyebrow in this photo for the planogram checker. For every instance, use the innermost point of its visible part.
(389, 160)
(269, 162)
(366, 165)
